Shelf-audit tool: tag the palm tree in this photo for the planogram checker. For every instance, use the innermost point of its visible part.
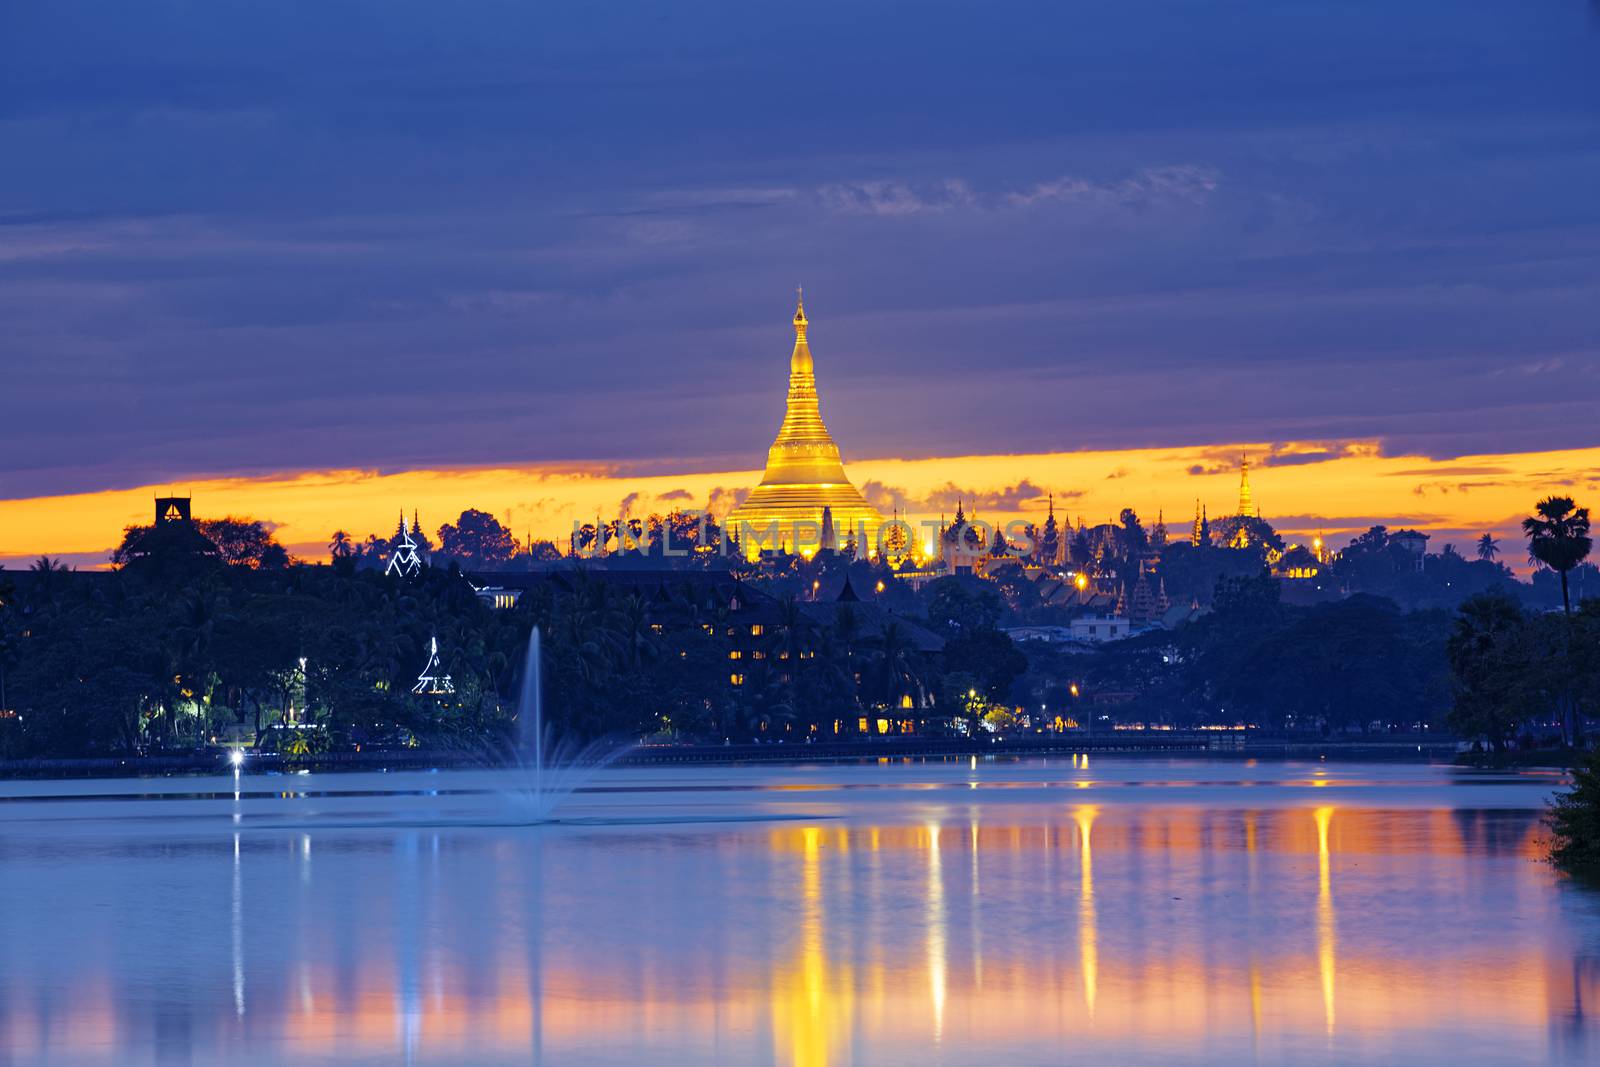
(1488, 548)
(898, 676)
(1558, 538)
(340, 546)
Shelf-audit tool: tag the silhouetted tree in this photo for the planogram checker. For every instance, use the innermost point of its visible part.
(477, 539)
(1558, 538)
(1484, 659)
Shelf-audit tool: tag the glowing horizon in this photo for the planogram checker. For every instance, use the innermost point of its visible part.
(1336, 489)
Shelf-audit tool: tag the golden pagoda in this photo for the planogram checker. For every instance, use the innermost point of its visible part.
(804, 476)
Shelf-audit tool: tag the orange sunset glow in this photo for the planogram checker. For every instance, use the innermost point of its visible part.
(1336, 489)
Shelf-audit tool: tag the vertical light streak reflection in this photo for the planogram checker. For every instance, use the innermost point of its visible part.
(812, 963)
(1252, 881)
(977, 928)
(408, 987)
(533, 932)
(1255, 999)
(236, 924)
(811, 1008)
(936, 930)
(1325, 917)
(1087, 945)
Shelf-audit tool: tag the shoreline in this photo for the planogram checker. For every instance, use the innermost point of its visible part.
(1120, 744)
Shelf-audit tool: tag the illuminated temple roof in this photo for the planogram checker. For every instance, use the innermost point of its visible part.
(804, 475)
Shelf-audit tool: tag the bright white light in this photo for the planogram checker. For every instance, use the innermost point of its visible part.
(236, 757)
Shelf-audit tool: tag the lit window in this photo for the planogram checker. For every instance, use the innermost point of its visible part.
(736, 679)
(862, 725)
(758, 655)
(735, 654)
(756, 629)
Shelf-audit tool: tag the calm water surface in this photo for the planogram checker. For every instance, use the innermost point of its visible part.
(1132, 912)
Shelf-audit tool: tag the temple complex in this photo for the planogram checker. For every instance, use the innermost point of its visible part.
(804, 477)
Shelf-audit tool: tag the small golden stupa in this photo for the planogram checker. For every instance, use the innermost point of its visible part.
(804, 478)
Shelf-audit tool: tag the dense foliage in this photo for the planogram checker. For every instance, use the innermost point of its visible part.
(205, 631)
(142, 660)
(1574, 820)
(1512, 667)
(1352, 665)
(172, 653)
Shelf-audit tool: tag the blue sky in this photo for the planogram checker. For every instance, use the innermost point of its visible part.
(241, 238)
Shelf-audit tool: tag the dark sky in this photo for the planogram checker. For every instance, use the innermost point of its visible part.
(247, 237)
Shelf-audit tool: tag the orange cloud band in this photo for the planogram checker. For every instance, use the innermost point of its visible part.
(1303, 488)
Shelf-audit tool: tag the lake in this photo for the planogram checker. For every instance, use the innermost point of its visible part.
(1006, 912)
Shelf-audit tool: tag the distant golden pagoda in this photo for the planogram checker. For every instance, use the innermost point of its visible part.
(804, 475)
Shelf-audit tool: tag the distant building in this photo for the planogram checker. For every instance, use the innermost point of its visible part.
(173, 509)
(1298, 563)
(1099, 629)
(1414, 543)
(1053, 635)
(961, 545)
(1149, 600)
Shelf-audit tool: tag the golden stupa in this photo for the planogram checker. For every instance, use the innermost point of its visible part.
(804, 476)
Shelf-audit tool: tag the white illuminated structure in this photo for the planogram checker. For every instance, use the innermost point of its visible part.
(431, 682)
(405, 562)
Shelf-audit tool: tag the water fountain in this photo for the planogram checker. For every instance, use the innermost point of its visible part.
(552, 771)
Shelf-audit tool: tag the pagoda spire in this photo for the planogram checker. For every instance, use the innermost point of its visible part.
(1245, 507)
(804, 473)
(433, 681)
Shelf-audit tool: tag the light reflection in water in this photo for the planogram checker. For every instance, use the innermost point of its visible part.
(1088, 952)
(1195, 935)
(811, 1005)
(236, 929)
(936, 930)
(1325, 931)
(974, 908)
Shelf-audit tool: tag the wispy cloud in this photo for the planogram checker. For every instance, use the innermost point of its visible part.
(1023, 496)
(1185, 184)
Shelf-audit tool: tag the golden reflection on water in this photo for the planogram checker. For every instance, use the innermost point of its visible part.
(1325, 932)
(811, 1004)
(1088, 952)
(936, 930)
(883, 936)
